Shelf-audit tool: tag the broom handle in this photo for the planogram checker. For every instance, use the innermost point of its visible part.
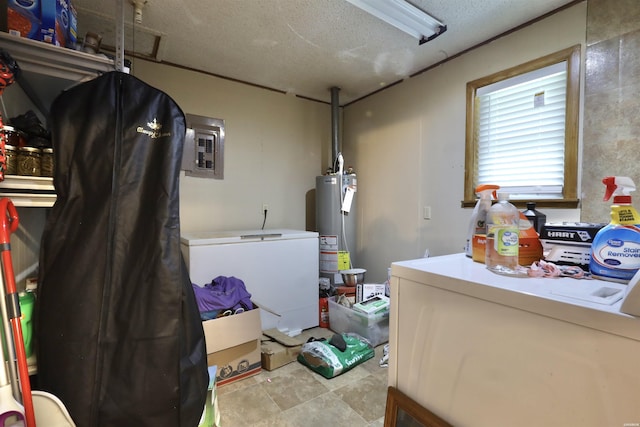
(9, 224)
(9, 355)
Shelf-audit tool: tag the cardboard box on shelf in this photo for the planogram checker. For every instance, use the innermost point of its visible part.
(50, 21)
(56, 22)
(233, 344)
(72, 39)
(20, 19)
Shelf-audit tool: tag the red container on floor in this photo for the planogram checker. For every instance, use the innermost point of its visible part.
(324, 313)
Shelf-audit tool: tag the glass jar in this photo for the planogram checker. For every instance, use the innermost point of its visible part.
(46, 162)
(13, 136)
(29, 161)
(11, 156)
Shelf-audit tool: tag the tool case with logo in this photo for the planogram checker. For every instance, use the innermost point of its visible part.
(569, 243)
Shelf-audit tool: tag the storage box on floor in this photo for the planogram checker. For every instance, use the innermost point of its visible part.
(233, 344)
(374, 327)
(279, 349)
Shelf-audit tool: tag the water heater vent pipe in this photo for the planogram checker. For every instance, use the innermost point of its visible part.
(335, 121)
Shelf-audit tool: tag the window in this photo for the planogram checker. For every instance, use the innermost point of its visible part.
(522, 131)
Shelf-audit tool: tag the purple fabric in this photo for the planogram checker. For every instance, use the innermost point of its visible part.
(223, 293)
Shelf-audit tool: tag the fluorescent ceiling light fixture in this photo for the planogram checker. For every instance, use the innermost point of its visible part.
(404, 16)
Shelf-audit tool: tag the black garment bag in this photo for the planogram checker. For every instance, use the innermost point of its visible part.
(118, 333)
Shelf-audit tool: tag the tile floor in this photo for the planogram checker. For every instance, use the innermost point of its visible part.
(293, 396)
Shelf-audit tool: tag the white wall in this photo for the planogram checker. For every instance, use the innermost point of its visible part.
(275, 146)
(407, 144)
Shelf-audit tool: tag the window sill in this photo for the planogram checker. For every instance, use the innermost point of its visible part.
(540, 203)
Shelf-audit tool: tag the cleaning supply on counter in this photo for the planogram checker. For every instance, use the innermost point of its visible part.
(503, 243)
(477, 224)
(530, 248)
(569, 243)
(535, 217)
(615, 251)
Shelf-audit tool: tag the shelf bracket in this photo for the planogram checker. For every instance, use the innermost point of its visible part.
(119, 62)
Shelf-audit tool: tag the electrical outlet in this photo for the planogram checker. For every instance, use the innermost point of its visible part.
(265, 208)
(426, 212)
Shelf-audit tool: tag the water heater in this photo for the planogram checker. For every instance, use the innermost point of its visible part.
(335, 222)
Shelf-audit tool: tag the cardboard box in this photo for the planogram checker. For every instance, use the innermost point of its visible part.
(569, 243)
(56, 22)
(374, 305)
(21, 18)
(279, 349)
(72, 39)
(233, 344)
(366, 291)
(275, 355)
(48, 21)
(51, 21)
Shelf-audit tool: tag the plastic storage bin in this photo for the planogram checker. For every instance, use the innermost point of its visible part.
(373, 327)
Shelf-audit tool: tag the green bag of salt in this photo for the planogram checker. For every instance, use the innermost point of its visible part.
(329, 361)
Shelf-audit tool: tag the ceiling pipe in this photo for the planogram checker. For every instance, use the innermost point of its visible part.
(335, 120)
(138, 5)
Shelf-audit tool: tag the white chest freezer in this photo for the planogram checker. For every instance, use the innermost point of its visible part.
(279, 268)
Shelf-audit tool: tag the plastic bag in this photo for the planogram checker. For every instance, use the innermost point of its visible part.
(327, 360)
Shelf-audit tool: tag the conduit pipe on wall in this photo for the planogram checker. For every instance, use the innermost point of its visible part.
(335, 120)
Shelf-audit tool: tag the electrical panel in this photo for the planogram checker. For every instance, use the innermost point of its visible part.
(203, 154)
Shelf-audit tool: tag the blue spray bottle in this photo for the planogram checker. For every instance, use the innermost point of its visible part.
(615, 251)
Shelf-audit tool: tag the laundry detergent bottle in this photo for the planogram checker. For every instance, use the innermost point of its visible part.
(615, 251)
(477, 224)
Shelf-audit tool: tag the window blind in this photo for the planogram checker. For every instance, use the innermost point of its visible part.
(520, 130)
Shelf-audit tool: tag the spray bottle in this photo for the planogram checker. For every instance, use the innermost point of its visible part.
(615, 251)
(478, 218)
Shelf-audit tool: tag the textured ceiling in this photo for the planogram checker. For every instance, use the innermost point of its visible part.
(303, 47)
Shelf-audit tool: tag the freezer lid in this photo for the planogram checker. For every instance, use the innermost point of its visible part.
(202, 238)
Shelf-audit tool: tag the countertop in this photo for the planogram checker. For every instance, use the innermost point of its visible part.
(562, 298)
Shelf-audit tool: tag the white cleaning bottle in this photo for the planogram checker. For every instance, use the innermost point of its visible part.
(11, 412)
(503, 242)
(478, 217)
